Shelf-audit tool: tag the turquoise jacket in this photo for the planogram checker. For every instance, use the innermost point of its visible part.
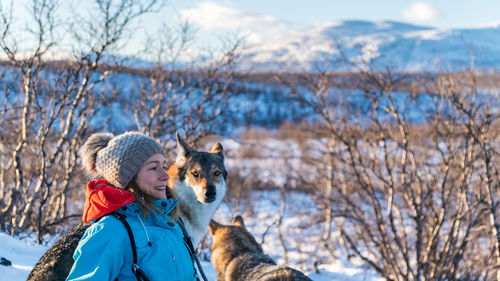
(105, 253)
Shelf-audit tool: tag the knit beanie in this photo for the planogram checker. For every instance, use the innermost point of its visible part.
(118, 158)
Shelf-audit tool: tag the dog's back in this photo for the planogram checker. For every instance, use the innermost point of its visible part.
(236, 256)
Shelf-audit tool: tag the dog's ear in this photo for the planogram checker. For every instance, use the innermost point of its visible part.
(213, 226)
(218, 149)
(238, 221)
(182, 150)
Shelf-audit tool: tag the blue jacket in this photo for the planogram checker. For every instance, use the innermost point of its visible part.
(105, 252)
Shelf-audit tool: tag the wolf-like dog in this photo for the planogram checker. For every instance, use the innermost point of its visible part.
(197, 178)
(236, 256)
(199, 181)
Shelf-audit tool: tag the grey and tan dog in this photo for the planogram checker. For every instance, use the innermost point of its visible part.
(236, 256)
(197, 178)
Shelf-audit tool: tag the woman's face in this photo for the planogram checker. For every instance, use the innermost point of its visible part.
(152, 177)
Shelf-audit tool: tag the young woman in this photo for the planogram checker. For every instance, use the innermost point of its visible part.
(132, 184)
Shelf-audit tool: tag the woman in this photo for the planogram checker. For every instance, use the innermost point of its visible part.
(132, 184)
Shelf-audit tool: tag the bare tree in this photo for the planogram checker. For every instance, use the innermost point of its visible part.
(176, 96)
(478, 122)
(60, 99)
(29, 69)
(404, 194)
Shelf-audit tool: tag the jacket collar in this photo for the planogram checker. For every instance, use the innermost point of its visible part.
(160, 217)
(101, 198)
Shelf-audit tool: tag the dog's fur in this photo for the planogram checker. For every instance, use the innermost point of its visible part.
(199, 181)
(200, 196)
(236, 256)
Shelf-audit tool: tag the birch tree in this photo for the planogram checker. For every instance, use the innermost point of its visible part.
(59, 101)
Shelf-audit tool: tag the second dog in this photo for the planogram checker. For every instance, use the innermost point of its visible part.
(236, 256)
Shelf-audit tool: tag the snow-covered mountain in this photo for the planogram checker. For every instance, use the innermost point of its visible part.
(401, 46)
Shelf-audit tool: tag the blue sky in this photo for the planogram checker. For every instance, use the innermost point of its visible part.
(258, 20)
(264, 18)
(438, 13)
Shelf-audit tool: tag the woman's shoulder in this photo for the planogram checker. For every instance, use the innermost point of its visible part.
(107, 225)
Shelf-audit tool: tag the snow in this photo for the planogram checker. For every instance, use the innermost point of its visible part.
(23, 254)
(303, 249)
(427, 34)
(401, 46)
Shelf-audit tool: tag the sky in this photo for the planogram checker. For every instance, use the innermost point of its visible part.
(258, 20)
(261, 19)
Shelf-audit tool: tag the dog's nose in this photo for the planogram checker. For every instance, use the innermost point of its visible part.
(210, 194)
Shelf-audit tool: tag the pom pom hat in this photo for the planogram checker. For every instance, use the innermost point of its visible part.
(118, 158)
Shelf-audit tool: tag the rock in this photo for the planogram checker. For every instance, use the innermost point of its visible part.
(4, 261)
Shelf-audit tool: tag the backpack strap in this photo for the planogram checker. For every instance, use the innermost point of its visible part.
(191, 250)
(139, 274)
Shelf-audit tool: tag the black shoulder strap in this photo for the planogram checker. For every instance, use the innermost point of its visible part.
(139, 274)
(191, 250)
(121, 218)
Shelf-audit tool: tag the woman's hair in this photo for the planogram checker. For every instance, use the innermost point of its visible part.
(145, 200)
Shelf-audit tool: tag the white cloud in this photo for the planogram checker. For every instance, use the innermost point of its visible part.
(213, 16)
(421, 12)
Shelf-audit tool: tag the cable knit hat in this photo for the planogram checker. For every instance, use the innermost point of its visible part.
(118, 158)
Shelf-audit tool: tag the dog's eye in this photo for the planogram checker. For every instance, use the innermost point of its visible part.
(195, 173)
(217, 173)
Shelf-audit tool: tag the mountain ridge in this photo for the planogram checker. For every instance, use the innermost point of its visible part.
(376, 44)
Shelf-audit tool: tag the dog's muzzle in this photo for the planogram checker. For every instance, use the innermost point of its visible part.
(210, 194)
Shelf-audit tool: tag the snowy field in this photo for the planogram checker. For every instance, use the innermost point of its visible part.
(302, 243)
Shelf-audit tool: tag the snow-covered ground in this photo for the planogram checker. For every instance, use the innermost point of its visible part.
(23, 254)
(301, 242)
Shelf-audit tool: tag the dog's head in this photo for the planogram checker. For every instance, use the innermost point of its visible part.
(203, 172)
(230, 242)
(233, 238)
